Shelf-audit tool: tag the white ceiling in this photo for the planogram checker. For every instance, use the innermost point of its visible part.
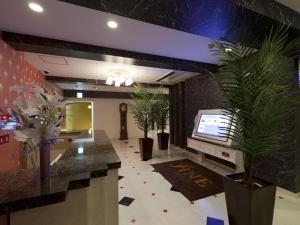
(78, 24)
(293, 4)
(91, 69)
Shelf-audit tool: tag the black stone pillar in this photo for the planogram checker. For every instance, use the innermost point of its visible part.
(181, 116)
(171, 113)
(176, 115)
(283, 167)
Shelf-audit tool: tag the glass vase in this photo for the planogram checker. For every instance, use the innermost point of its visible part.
(45, 162)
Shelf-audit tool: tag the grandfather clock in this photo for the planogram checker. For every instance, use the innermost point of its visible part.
(123, 121)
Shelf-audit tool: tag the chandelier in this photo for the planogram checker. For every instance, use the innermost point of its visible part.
(119, 77)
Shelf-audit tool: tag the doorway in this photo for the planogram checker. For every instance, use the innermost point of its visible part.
(78, 116)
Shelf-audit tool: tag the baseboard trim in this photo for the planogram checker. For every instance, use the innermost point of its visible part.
(287, 192)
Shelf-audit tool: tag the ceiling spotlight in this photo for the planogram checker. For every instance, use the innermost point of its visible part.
(228, 50)
(109, 81)
(117, 84)
(35, 7)
(112, 24)
(80, 150)
(128, 82)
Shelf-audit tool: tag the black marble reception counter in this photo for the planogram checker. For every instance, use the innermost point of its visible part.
(91, 156)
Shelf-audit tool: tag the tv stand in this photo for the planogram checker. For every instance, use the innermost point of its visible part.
(216, 150)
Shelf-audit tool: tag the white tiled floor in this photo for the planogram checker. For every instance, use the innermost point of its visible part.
(155, 204)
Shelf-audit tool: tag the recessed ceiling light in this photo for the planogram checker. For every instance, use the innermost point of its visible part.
(112, 24)
(35, 7)
(80, 150)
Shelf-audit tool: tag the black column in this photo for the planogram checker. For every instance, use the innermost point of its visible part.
(283, 167)
(176, 115)
(171, 113)
(297, 66)
(181, 116)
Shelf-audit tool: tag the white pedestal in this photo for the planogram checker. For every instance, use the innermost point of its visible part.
(227, 154)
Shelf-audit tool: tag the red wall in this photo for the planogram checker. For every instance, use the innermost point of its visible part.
(13, 70)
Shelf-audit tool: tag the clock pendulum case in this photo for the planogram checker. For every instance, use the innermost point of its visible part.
(123, 121)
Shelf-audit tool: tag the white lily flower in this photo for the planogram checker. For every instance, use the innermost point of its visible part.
(36, 89)
(40, 116)
(20, 136)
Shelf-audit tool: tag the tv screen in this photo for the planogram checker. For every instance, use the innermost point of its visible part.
(214, 126)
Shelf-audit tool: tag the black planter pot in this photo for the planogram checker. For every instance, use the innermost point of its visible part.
(146, 147)
(247, 206)
(163, 141)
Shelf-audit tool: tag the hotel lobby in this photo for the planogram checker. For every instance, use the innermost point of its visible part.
(149, 112)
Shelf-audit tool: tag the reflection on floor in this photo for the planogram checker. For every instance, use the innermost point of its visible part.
(152, 202)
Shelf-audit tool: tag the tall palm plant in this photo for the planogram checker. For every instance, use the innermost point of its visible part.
(142, 109)
(161, 111)
(257, 93)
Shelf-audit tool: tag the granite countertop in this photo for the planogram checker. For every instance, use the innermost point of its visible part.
(91, 156)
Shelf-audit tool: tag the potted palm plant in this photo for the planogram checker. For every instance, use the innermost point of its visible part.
(161, 116)
(142, 109)
(257, 93)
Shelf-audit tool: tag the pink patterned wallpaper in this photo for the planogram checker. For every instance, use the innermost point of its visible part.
(14, 70)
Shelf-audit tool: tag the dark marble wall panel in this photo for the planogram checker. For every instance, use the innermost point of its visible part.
(176, 115)
(178, 131)
(217, 19)
(201, 93)
(282, 168)
(171, 119)
(274, 10)
(279, 169)
(181, 115)
(298, 153)
(297, 129)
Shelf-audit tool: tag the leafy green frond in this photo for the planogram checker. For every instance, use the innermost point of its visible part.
(256, 90)
(161, 110)
(142, 108)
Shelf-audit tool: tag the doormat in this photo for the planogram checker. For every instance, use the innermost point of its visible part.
(191, 179)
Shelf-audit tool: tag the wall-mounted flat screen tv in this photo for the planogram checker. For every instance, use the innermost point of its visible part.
(213, 125)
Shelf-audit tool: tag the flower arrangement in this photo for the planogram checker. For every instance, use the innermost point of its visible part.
(38, 118)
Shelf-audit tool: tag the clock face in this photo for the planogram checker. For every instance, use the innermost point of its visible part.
(123, 108)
